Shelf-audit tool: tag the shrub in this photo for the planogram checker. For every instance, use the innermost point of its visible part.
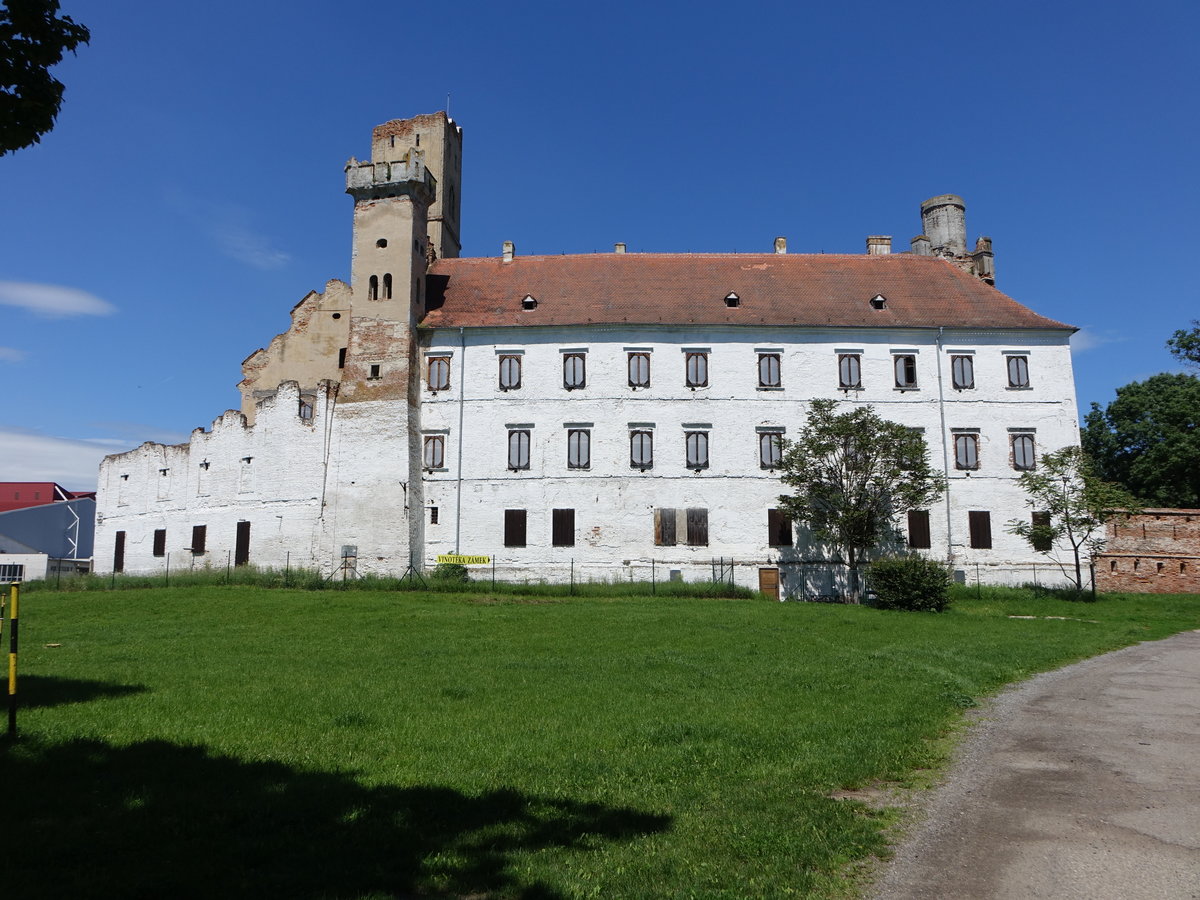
(911, 583)
(450, 572)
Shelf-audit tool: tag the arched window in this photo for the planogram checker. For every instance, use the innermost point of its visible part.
(373, 288)
(387, 286)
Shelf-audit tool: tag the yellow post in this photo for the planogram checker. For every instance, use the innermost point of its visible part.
(12, 661)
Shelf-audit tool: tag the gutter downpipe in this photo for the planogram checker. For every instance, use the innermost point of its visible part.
(945, 455)
(462, 378)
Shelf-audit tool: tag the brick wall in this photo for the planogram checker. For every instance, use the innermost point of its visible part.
(1157, 552)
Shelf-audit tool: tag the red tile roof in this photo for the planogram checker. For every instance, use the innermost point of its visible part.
(687, 288)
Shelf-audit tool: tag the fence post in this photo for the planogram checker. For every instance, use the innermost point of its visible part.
(228, 565)
(1092, 566)
(12, 662)
(287, 569)
(653, 580)
(572, 576)
(167, 572)
(978, 584)
(493, 572)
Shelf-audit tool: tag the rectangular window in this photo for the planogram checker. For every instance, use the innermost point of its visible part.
(641, 449)
(696, 369)
(514, 528)
(342, 358)
(199, 538)
(579, 448)
(696, 443)
(119, 552)
(160, 542)
(981, 529)
(664, 527)
(918, 529)
(574, 371)
(1024, 457)
(768, 370)
(434, 455)
(770, 449)
(438, 372)
(849, 371)
(697, 527)
(905, 365)
(1018, 371)
(518, 449)
(639, 370)
(241, 547)
(306, 409)
(375, 372)
(962, 372)
(510, 372)
(779, 528)
(563, 528)
(966, 451)
(1041, 541)
(433, 515)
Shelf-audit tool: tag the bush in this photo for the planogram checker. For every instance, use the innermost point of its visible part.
(911, 583)
(450, 572)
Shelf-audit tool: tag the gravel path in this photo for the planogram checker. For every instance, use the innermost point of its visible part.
(1079, 783)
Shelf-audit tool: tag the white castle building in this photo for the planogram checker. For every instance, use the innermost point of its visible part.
(600, 413)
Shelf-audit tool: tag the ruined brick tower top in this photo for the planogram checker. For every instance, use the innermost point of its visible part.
(439, 138)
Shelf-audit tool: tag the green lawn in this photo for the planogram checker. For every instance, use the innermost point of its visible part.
(243, 742)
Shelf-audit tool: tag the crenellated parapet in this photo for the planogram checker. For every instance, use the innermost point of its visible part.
(374, 180)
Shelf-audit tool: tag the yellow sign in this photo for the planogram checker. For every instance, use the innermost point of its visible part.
(453, 559)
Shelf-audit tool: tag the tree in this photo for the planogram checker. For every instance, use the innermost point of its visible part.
(1148, 440)
(33, 37)
(854, 474)
(1075, 505)
(1184, 345)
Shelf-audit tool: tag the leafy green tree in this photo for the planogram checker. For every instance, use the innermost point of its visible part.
(1078, 503)
(1148, 440)
(33, 37)
(854, 475)
(1184, 345)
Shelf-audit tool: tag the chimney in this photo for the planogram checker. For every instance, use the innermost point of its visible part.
(781, 245)
(944, 219)
(879, 244)
(508, 251)
(921, 246)
(618, 248)
(985, 263)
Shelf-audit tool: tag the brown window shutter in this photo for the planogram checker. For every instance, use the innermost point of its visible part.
(160, 542)
(119, 552)
(981, 529)
(697, 527)
(664, 527)
(779, 528)
(563, 528)
(199, 538)
(514, 528)
(1041, 520)
(918, 529)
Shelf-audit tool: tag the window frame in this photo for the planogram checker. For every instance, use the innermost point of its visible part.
(966, 361)
(433, 363)
(701, 359)
(909, 361)
(970, 439)
(437, 443)
(979, 526)
(1025, 439)
(642, 356)
(698, 437)
(562, 528)
(779, 529)
(919, 536)
(644, 436)
(769, 358)
(509, 361)
(1021, 370)
(516, 528)
(524, 441)
(772, 440)
(571, 358)
(844, 361)
(160, 542)
(585, 435)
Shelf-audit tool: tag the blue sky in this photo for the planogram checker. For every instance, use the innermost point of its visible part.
(192, 191)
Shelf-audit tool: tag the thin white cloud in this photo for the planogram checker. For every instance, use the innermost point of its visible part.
(230, 229)
(138, 432)
(1088, 338)
(53, 300)
(11, 354)
(71, 462)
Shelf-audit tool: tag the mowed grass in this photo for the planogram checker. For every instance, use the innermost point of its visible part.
(242, 742)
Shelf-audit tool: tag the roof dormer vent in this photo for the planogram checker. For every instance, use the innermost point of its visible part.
(530, 302)
(879, 302)
(732, 300)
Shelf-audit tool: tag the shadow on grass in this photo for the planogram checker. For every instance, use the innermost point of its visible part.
(154, 819)
(48, 690)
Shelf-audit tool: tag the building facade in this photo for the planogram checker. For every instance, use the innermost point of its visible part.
(601, 414)
(1154, 552)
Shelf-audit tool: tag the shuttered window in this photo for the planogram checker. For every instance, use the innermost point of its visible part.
(434, 456)
(697, 527)
(579, 448)
(514, 528)
(1041, 542)
(510, 372)
(768, 370)
(1023, 458)
(563, 529)
(918, 529)
(574, 371)
(981, 529)
(664, 527)
(160, 542)
(966, 451)
(697, 370)
(639, 370)
(906, 370)
(518, 449)
(696, 443)
(770, 449)
(439, 372)
(962, 372)
(199, 538)
(1018, 371)
(779, 528)
(119, 552)
(849, 371)
(641, 449)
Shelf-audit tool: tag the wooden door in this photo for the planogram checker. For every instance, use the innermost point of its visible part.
(768, 582)
(241, 550)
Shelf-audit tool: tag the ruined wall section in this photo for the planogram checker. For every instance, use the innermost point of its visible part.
(308, 352)
(1157, 552)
